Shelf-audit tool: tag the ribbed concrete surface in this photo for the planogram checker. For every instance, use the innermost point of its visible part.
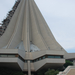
(28, 25)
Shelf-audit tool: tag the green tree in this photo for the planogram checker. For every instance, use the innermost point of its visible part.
(68, 63)
(52, 72)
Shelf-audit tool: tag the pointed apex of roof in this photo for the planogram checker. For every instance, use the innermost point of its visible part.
(28, 24)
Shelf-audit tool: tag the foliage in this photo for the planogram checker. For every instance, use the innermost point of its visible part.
(48, 72)
(61, 68)
(52, 72)
(68, 63)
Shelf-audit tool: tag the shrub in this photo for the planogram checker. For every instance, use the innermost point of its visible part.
(52, 72)
(68, 63)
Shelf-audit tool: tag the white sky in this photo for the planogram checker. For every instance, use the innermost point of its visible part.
(59, 15)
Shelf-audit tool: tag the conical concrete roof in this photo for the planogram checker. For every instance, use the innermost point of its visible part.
(28, 28)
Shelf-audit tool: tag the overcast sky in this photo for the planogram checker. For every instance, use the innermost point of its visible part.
(59, 15)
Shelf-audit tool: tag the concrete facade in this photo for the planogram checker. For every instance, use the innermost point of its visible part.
(28, 42)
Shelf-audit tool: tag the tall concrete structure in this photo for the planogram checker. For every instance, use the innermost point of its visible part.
(28, 43)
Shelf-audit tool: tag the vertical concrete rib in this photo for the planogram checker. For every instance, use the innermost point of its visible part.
(4, 39)
(30, 25)
(18, 29)
(35, 31)
(26, 33)
(40, 24)
(26, 39)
